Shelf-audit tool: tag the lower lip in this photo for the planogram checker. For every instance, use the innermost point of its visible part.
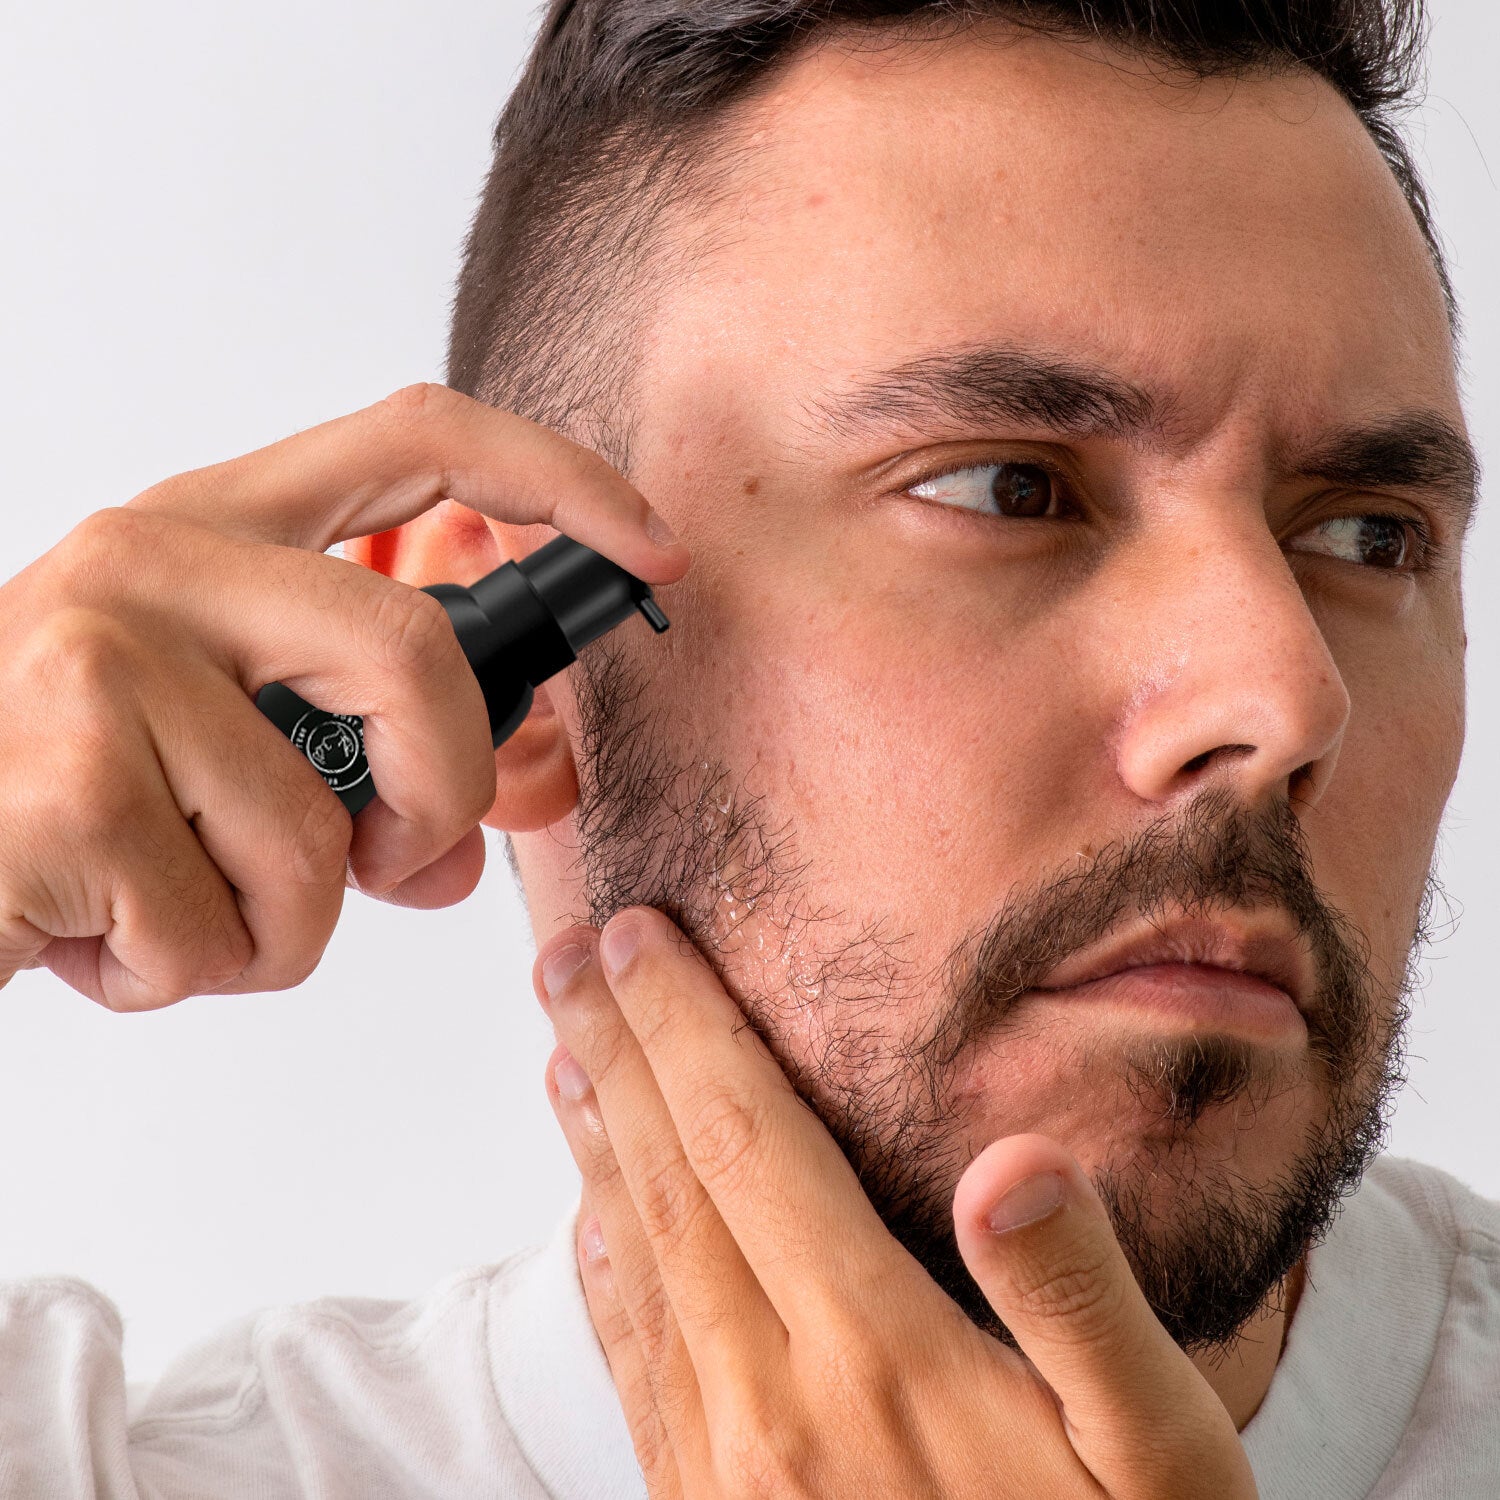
(1197, 996)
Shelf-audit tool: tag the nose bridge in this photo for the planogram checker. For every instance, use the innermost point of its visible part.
(1233, 677)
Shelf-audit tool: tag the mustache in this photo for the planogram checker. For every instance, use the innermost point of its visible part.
(1216, 853)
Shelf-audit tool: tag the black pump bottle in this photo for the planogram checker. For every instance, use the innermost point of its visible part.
(517, 626)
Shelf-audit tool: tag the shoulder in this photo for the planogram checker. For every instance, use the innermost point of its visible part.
(1388, 1377)
(1451, 1439)
(364, 1387)
(321, 1343)
(42, 1299)
(54, 1329)
(1441, 1205)
(365, 1393)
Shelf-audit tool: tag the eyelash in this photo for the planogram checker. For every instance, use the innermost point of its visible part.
(1425, 548)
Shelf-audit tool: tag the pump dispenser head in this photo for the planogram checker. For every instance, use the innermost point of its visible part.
(587, 594)
(517, 626)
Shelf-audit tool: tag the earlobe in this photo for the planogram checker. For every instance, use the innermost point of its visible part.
(536, 777)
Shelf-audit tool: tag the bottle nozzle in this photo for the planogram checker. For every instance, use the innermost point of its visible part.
(652, 611)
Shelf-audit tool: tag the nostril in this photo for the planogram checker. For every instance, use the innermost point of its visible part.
(1198, 762)
(1300, 781)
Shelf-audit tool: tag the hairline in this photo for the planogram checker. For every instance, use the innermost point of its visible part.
(707, 157)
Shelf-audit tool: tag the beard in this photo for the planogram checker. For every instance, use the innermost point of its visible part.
(833, 997)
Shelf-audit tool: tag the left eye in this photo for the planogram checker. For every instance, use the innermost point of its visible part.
(1373, 541)
(1002, 489)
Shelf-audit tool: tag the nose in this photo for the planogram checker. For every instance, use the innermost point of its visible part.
(1233, 679)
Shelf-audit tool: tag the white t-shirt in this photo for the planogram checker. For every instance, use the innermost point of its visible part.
(493, 1384)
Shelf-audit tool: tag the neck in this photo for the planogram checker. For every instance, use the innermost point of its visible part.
(1242, 1376)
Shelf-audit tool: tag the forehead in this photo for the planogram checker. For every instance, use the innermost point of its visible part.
(1224, 241)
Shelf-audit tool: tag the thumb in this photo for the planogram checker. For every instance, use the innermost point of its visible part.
(1039, 1242)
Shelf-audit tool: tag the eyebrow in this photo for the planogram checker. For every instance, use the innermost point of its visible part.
(1416, 449)
(982, 384)
(977, 385)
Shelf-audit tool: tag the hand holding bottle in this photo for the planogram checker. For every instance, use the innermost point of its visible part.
(159, 836)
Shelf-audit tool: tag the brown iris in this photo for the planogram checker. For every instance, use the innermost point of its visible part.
(1021, 490)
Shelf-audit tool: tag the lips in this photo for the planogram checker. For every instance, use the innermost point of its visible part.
(1199, 950)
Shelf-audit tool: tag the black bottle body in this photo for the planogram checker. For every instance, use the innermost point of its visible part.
(335, 743)
(517, 626)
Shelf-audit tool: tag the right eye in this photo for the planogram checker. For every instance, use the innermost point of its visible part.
(1020, 490)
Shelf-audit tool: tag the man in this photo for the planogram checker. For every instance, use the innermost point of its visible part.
(1040, 780)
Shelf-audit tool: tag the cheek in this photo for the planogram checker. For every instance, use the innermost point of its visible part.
(917, 770)
(1373, 833)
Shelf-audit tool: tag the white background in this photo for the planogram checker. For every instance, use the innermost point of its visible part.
(224, 223)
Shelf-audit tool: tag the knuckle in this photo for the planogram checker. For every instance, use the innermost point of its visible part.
(96, 543)
(285, 971)
(599, 1043)
(851, 1376)
(665, 1200)
(586, 465)
(1077, 1294)
(413, 418)
(280, 959)
(209, 940)
(603, 1167)
(651, 993)
(418, 403)
(724, 1133)
(764, 1459)
(158, 994)
(176, 973)
(608, 1312)
(653, 1322)
(580, 477)
(318, 845)
(412, 635)
(79, 651)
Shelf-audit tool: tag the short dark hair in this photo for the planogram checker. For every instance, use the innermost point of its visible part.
(602, 135)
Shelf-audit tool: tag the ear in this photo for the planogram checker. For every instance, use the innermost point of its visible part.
(536, 777)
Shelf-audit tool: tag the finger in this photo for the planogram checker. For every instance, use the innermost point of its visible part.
(342, 636)
(788, 1196)
(620, 1253)
(265, 819)
(450, 878)
(628, 1366)
(1039, 1243)
(728, 1327)
(372, 470)
(118, 897)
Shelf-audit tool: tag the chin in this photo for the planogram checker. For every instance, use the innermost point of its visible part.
(1206, 1103)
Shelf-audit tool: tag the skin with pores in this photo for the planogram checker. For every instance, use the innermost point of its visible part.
(941, 705)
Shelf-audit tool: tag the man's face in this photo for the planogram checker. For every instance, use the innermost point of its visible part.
(1032, 423)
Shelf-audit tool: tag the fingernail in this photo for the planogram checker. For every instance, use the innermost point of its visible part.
(659, 531)
(559, 967)
(572, 1082)
(618, 946)
(593, 1242)
(1027, 1201)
